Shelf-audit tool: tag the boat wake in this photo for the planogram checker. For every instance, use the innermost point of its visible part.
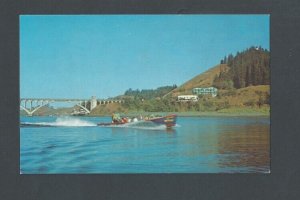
(61, 121)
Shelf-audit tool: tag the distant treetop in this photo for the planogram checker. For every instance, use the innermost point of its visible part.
(150, 93)
(249, 67)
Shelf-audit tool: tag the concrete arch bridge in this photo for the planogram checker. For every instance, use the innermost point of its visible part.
(31, 105)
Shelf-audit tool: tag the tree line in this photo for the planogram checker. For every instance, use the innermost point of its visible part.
(205, 104)
(149, 93)
(246, 68)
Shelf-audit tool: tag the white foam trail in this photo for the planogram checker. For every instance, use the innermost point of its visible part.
(69, 121)
(177, 125)
(64, 121)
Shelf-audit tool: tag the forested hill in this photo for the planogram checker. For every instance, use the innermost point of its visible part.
(247, 68)
(149, 93)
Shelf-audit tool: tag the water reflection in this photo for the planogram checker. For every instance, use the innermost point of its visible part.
(246, 146)
(221, 145)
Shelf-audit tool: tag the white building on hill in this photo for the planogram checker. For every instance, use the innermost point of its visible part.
(203, 91)
(187, 98)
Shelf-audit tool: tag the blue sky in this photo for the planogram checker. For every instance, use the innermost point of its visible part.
(79, 56)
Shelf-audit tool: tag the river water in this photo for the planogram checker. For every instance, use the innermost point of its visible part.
(63, 145)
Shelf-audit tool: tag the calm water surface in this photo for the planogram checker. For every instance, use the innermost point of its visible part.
(195, 145)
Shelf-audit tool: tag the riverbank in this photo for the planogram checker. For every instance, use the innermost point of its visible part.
(224, 112)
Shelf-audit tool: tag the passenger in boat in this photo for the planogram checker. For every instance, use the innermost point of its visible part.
(116, 118)
(124, 120)
(135, 119)
(141, 117)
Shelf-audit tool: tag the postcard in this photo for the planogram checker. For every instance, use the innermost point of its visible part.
(127, 94)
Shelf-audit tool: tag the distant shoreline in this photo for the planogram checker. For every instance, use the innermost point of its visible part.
(224, 113)
(231, 112)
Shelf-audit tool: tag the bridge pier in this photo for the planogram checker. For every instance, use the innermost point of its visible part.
(93, 103)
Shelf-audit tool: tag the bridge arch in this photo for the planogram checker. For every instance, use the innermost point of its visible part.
(30, 112)
(84, 108)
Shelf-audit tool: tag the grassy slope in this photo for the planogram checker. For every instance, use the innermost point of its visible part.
(242, 96)
(202, 80)
(237, 99)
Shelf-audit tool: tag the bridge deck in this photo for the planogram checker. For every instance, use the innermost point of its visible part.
(49, 99)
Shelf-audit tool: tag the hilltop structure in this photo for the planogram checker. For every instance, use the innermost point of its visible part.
(204, 91)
